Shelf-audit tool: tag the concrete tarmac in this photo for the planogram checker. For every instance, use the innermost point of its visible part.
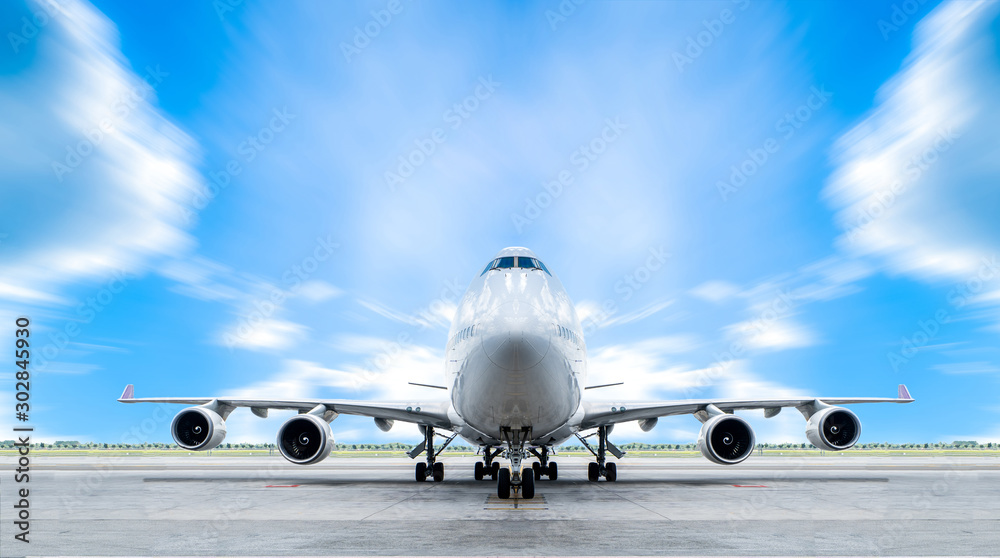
(201, 506)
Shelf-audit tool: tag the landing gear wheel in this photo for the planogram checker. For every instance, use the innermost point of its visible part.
(553, 471)
(421, 473)
(438, 472)
(593, 472)
(503, 484)
(536, 469)
(611, 472)
(495, 470)
(528, 484)
(479, 472)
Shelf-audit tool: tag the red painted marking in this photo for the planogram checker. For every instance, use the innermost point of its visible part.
(281, 486)
(750, 485)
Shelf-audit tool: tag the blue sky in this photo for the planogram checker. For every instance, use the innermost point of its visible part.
(286, 200)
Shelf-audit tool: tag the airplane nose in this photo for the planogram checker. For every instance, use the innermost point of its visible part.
(515, 336)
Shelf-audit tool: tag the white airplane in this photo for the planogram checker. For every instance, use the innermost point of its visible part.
(516, 366)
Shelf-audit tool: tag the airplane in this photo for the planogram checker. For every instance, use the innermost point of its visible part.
(516, 367)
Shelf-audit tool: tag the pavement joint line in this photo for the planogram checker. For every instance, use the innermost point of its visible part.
(431, 487)
(605, 488)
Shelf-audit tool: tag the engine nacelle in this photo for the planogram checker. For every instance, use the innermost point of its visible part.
(198, 428)
(726, 439)
(305, 439)
(833, 428)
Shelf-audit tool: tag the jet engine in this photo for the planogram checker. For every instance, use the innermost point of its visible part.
(726, 439)
(833, 428)
(305, 439)
(198, 428)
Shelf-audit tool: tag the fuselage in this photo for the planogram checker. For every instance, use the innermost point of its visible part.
(516, 358)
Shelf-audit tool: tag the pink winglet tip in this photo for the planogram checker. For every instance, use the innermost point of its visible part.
(903, 392)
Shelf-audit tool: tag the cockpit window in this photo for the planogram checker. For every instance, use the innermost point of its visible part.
(530, 263)
(508, 262)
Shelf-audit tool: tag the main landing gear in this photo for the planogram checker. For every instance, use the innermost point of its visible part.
(488, 467)
(544, 467)
(601, 468)
(431, 468)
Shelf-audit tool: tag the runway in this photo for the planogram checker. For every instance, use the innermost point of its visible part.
(769, 506)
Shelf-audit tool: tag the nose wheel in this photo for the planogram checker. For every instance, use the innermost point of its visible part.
(524, 482)
(515, 479)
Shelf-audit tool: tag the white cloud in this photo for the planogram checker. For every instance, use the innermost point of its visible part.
(439, 314)
(384, 375)
(267, 333)
(589, 311)
(257, 302)
(651, 373)
(978, 367)
(317, 291)
(715, 291)
(637, 315)
(779, 334)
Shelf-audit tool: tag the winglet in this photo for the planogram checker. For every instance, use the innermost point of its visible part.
(130, 392)
(903, 392)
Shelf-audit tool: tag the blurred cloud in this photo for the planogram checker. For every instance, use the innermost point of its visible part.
(915, 183)
(778, 334)
(715, 291)
(96, 179)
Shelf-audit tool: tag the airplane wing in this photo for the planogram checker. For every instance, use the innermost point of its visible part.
(433, 414)
(612, 412)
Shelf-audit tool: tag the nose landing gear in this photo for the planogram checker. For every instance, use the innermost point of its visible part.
(515, 478)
